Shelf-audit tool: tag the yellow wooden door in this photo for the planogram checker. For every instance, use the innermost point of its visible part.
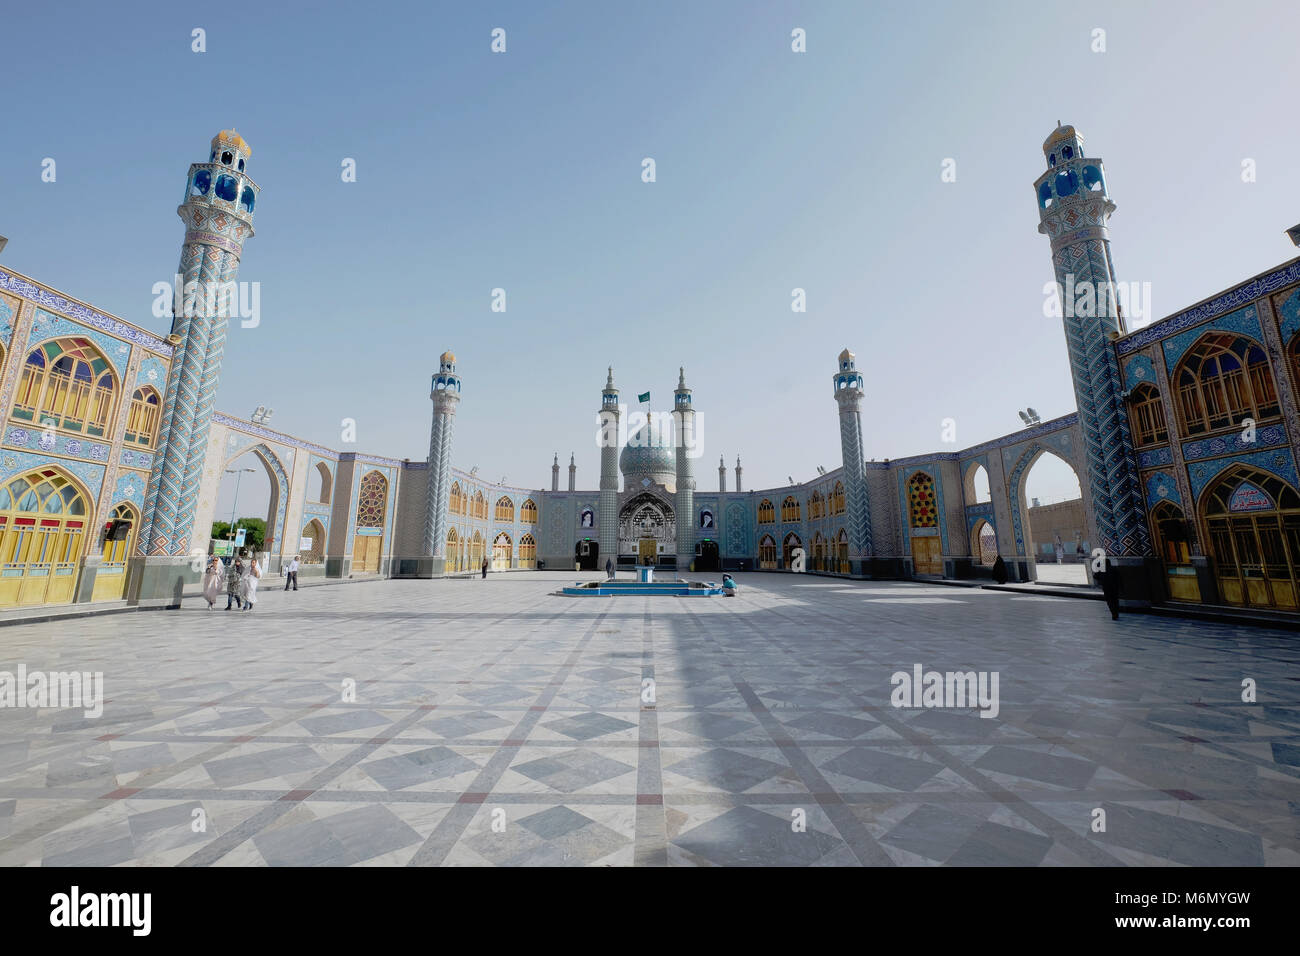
(927, 557)
(648, 549)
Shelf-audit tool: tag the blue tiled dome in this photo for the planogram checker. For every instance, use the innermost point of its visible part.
(641, 459)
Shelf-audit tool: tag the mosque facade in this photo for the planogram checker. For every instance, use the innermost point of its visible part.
(1184, 443)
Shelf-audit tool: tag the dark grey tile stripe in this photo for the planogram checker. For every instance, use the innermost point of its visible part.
(651, 823)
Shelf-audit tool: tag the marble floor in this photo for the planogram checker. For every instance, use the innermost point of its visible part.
(472, 723)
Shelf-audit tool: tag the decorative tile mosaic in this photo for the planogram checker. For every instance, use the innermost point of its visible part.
(1265, 437)
(1242, 322)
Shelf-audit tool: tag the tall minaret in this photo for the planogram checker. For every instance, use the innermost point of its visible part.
(848, 393)
(555, 472)
(1073, 208)
(218, 216)
(738, 488)
(573, 474)
(722, 476)
(445, 394)
(610, 413)
(684, 503)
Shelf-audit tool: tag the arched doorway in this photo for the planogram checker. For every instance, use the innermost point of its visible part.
(984, 543)
(842, 551)
(767, 553)
(314, 532)
(646, 529)
(372, 507)
(586, 554)
(527, 550)
(923, 521)
(1172, 539)
(119, 540)
(454, 557)
(1253, 520)
(1054, 526)
(787, 550)
(43, 521)
(502, 551)
(476, 552)
(819, 552)
(707, 556)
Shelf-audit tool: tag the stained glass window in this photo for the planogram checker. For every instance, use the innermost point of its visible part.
(921, 501)
(372, 501)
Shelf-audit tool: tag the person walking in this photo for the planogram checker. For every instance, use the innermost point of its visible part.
(485, 564)
(212, 581)
(234, 574)
(609, 568)
(250, 583)
(1000, 570)
(291, 574)
(1110, 587)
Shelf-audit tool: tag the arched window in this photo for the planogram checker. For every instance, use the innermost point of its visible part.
(767, 552)
(372, 508)
(314, 532)
(985, 541)
(923, 507)
(325, 483)
(766, 513)
(837, 499)
(527, 515)
(527, 551)
(505, 510)
(478, 505)
(976, 486)
(43, 518)
(457, 503)
(790, 509)
(1222, 380)
(787, 549)
(1147, 413)
(501, 552)
(119, 534)
(455, 560)
(476, 551)
(67, 382)
(1253, 518)
(816, 505)
(819, 552)
(142, 419)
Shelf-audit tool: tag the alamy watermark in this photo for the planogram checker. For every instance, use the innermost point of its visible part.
(638, 429)
(71, 689)
(1088, 299)
(223, 300)
(964, 689)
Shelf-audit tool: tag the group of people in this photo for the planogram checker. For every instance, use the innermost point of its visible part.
(240, 576)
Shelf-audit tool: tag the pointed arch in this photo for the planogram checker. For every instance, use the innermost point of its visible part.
(45, 516)
(1146, 415)
(767, 552)
(325, 486)
(528, 512)
(789, 509)
(788, 545)
(142, 419)
(457, 501)
(528, 551)
(766, 512)
(314, 532)
(502, 551)
(67, 381)
(1252, 518)
(837, 498)
(505, 510)
(1223, 379)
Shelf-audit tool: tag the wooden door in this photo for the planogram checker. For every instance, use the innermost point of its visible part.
(927, 556)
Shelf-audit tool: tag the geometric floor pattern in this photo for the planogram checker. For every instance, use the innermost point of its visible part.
(495, 723)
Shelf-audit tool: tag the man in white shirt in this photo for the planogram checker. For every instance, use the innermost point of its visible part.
(291, 573)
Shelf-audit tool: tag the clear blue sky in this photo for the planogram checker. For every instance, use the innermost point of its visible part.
(522, 171)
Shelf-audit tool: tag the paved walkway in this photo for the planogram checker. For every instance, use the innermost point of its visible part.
(495, 723)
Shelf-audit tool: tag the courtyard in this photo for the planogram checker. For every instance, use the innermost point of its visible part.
(490, 722)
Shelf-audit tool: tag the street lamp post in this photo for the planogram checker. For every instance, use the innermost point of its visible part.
(239, 475)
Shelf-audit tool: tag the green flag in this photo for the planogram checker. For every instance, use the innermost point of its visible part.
(643, 397)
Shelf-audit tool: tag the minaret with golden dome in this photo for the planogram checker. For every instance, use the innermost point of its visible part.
(445, 394)
(218, 214)
(848, 395)
(1074, 208)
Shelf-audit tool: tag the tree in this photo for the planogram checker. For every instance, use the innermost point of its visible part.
(254, 528)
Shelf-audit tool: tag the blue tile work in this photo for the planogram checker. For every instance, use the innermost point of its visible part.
(1247, 292)
(96, 320)
(1288, 314)
(47, 325)
(136, 459)
(130, 488)
(739, 530)
(34, 438)
(1265, 437)
(152, 372)
(1244, 321)
(1139, 370)
(1162, 487)
(976, 513)
(904, 476)
(1155, 456)
(365, 466)
(90, 475)
(1277, 460)
(8, 314)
